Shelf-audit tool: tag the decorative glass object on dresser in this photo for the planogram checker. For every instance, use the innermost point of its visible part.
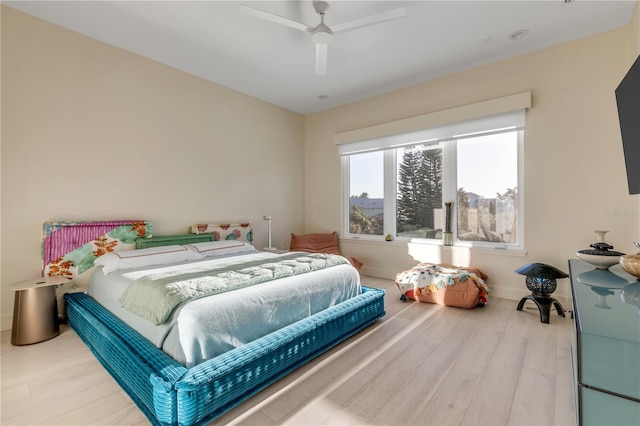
(606, 345)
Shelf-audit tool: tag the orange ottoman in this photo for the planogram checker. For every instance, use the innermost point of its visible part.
(443, 285)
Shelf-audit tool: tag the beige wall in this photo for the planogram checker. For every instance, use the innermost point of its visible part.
(575, 179)
(634, 30)
(91, 132)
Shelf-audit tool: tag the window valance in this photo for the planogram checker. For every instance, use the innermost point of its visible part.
(485, 117)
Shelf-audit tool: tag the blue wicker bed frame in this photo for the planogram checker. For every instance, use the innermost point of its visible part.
(170, 394)
(164, 390)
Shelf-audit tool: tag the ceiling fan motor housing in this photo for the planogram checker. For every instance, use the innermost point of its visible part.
(322, 34)
(321, 6)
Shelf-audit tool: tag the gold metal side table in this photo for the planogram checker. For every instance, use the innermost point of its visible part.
(35, 310)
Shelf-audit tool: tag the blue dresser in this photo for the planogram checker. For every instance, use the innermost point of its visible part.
(606, 346)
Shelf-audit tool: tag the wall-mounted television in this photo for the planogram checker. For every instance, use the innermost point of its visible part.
(628, 99)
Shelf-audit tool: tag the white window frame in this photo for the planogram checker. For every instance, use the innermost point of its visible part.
(352, 143)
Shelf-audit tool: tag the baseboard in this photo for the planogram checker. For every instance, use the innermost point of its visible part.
(517, 294)
(507, 292)
(378, 273)
(496, 291)
(5, 322)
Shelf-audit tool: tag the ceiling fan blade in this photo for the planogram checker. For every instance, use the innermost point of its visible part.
(274, 18)
(376, 18)
(321, 58)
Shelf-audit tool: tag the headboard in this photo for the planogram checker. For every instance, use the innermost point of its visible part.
(236, 231)
(167, 240)
(69, 249)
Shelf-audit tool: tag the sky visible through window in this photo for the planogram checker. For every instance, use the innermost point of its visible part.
(486, 165)
(366, 174)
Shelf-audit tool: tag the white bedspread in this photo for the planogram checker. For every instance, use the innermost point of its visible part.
(207, 327)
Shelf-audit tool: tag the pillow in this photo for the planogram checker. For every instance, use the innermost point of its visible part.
(320, 243)
(127, 259)
(220, 248)
(315, 243)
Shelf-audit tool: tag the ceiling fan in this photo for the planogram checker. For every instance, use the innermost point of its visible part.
(321, 34)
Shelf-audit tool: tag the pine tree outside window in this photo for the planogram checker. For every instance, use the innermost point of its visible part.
(419, 191)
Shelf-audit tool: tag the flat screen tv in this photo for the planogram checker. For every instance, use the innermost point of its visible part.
(628, 99)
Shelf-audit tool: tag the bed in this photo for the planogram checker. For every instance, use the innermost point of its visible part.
(171, 388)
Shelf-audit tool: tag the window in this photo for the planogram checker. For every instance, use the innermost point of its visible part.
(419, 191)
(487, 188)
(398, 185)
(366, 202)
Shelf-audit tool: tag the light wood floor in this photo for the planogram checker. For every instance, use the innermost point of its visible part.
(421, 364)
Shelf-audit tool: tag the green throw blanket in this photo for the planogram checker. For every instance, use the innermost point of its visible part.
(155, 296)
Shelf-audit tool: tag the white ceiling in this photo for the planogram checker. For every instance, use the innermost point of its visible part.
(213, 40)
